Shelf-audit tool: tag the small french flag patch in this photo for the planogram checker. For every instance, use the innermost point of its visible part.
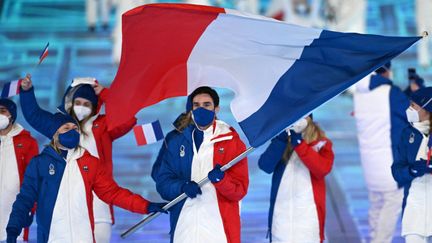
(148, 133)
(11, 88)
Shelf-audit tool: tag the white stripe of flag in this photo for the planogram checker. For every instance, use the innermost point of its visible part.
(148, 133)
(11, 88)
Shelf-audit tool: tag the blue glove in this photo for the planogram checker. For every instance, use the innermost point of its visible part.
(216, 174)
(11, 239)
(191, 188)
(419, 168)
(156, 207)
(296, 138)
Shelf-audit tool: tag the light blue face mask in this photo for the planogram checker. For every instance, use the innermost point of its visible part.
(203, 117)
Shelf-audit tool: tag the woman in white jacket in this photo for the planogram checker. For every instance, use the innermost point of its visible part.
(412, 169)
(299, 160)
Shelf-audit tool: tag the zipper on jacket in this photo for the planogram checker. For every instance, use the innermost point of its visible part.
(291, 207)
(69, 200)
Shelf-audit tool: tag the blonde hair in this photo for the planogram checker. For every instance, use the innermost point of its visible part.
(184, 120)
(311, 133)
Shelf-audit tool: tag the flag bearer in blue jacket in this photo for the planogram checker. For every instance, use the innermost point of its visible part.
(61, 180)
(412, 169)
(199, 146)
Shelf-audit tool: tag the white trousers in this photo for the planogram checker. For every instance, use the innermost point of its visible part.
(96, 7)
(417, 239)
(102, 232)
(384, 213)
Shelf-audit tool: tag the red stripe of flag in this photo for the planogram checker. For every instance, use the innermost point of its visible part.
(139, 135)
(18, 86)
(168, 30)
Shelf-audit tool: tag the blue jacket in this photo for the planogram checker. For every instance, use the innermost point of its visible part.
(317, 157)
(41, 184)
(41, 187)
(173, 168)
(171, 187)
(405, 157)
(41, 120)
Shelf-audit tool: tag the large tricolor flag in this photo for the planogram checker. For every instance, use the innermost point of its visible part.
(278, 72)
(11, 88)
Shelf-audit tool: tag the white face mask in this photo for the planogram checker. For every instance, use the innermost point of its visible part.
(81, 112)
(412, 115)
(300, 125)
(4, 121)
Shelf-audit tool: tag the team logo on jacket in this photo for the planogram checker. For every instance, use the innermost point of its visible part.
(20, 145)
(221, 150)
(411, 138)
(85, 168)
(51, 170)
(182, 151)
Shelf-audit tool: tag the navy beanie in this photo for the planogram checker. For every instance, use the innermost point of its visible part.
(418, 80)
(86, 91)
(11, 107)
(423, 98)
(58, 119)
(202, 90)
(385, 68)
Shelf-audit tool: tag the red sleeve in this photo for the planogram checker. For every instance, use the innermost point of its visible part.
(235, 183)
(103, 95)
(319, 163)
(111, 193)
(122, 129)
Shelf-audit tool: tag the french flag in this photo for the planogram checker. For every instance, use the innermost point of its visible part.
(148, 133)
(278, 72)
(11, 88)
(43, 54)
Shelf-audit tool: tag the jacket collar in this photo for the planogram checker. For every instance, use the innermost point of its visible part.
(72, 154)
(16, 130)
(378, 80)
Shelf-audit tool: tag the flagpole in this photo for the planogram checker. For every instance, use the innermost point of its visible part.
(178, 199)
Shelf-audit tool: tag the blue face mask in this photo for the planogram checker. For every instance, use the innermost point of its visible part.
(69, 139)
(203, 117)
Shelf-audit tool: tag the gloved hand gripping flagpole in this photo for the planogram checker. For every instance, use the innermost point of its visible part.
(183, 196)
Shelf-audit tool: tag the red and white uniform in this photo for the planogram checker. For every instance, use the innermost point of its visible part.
(299, 211)
(17, 148)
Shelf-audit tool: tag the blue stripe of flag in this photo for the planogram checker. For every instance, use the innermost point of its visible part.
(327, 67)
(5, 91)
(157, 130)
